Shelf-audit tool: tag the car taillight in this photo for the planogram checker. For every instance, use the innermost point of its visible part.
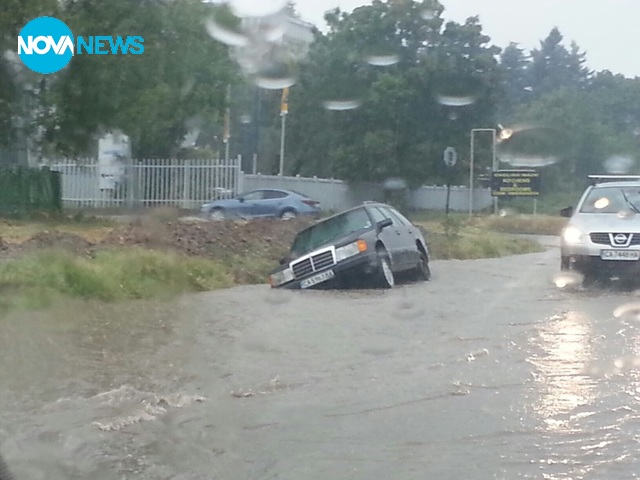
(311, 203)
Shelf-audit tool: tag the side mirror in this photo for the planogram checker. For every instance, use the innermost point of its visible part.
(284, 260)
(566, 212)
(241, 199)
(382, 224)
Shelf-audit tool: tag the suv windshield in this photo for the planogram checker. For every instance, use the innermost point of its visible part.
(612, 200)
(330, 229)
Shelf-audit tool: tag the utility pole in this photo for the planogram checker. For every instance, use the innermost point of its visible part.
(284, 110)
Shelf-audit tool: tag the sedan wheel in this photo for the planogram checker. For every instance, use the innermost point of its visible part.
(288, 215)
(217, 214)
(385, 277)
(423, 272)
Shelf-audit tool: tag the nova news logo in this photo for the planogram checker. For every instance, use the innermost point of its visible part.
(46, 45)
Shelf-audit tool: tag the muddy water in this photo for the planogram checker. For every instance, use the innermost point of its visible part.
(488, 371)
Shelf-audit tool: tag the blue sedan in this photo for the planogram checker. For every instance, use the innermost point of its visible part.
(268, 202)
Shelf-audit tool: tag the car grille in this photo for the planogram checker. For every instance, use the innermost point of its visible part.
(319, 261)
(605, 239)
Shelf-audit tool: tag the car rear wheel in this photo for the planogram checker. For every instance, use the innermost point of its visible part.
(217, 214)
(384, 274)
(288, 214)
(423, 272)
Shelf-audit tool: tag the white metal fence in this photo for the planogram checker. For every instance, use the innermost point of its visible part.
(176, 183)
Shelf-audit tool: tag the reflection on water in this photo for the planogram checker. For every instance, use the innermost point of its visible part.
(561, 369)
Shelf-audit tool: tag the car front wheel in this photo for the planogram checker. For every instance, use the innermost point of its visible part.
(384, 274)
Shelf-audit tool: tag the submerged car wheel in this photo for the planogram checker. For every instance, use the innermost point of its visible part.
(288, 214)
(384, 274)
(423, 272)
(217, 214)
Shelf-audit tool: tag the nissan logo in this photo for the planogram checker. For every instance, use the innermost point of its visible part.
(620, 239)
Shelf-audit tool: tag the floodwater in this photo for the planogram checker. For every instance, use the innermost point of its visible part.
(486, 372)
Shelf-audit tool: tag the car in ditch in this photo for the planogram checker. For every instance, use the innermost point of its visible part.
(601, 240)
(369, 244)
(264, 202)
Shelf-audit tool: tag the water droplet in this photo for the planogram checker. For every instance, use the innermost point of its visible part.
(455, 101)
(626, 214)
(225, 35)
(395, 184)
(453, 116)
(252, 8)
(629, 311)
(429, 13)
(601, 203)
(341, 105)
(383, 60)
(245, 119)
(568, 279)
(530, 147)
(619, 164)
(274, 83)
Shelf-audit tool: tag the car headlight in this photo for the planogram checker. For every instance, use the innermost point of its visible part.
(350, 250)
(572, 234)
(283, 276)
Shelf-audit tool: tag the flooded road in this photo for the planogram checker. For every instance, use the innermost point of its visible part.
(488, 371)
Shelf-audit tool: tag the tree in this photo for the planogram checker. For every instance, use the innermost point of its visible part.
(420, 86)
(516, 82)
(183, 73)
(554, 67)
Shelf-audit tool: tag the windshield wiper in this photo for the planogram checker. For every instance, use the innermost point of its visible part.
(632, 206)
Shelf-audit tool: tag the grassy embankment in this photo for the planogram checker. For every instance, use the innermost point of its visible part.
(35, 276)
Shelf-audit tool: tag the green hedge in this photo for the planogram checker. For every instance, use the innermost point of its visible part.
(24, 190)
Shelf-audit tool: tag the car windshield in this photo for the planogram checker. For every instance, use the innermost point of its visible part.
(330, 230)
(612, 200)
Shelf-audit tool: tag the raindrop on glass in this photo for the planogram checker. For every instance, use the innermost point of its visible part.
(455, 101)
(253, 8)
(245, 119)
(619, 164)
(395, 184)
(428, 13)
(629, 311)
(453, 115)
(274, 83)
(383, 60)
(341, 105)
(530, 146)
(225, 35)
(626, 214)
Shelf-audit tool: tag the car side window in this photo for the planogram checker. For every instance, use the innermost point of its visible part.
(272, 194)
(251, 196)
(401, 218)
(388, 214)
(376, 214)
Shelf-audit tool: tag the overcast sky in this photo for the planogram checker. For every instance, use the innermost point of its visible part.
(607, 30)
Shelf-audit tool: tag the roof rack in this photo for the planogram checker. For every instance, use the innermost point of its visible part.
(611, 178)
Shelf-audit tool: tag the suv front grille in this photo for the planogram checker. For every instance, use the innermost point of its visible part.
(308, 265)
(601, 238)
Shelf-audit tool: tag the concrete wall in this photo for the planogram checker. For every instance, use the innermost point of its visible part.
(332, 194)
(338, 195)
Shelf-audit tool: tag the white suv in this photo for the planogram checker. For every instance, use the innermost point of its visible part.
(602, 238)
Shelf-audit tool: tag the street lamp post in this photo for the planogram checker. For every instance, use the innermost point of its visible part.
(494, 165)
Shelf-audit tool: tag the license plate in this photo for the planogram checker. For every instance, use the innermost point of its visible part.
(316, 279)
(620, 254)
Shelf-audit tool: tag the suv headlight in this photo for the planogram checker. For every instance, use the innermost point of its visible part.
(350, 250)
(572, 234)
(283, 276)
